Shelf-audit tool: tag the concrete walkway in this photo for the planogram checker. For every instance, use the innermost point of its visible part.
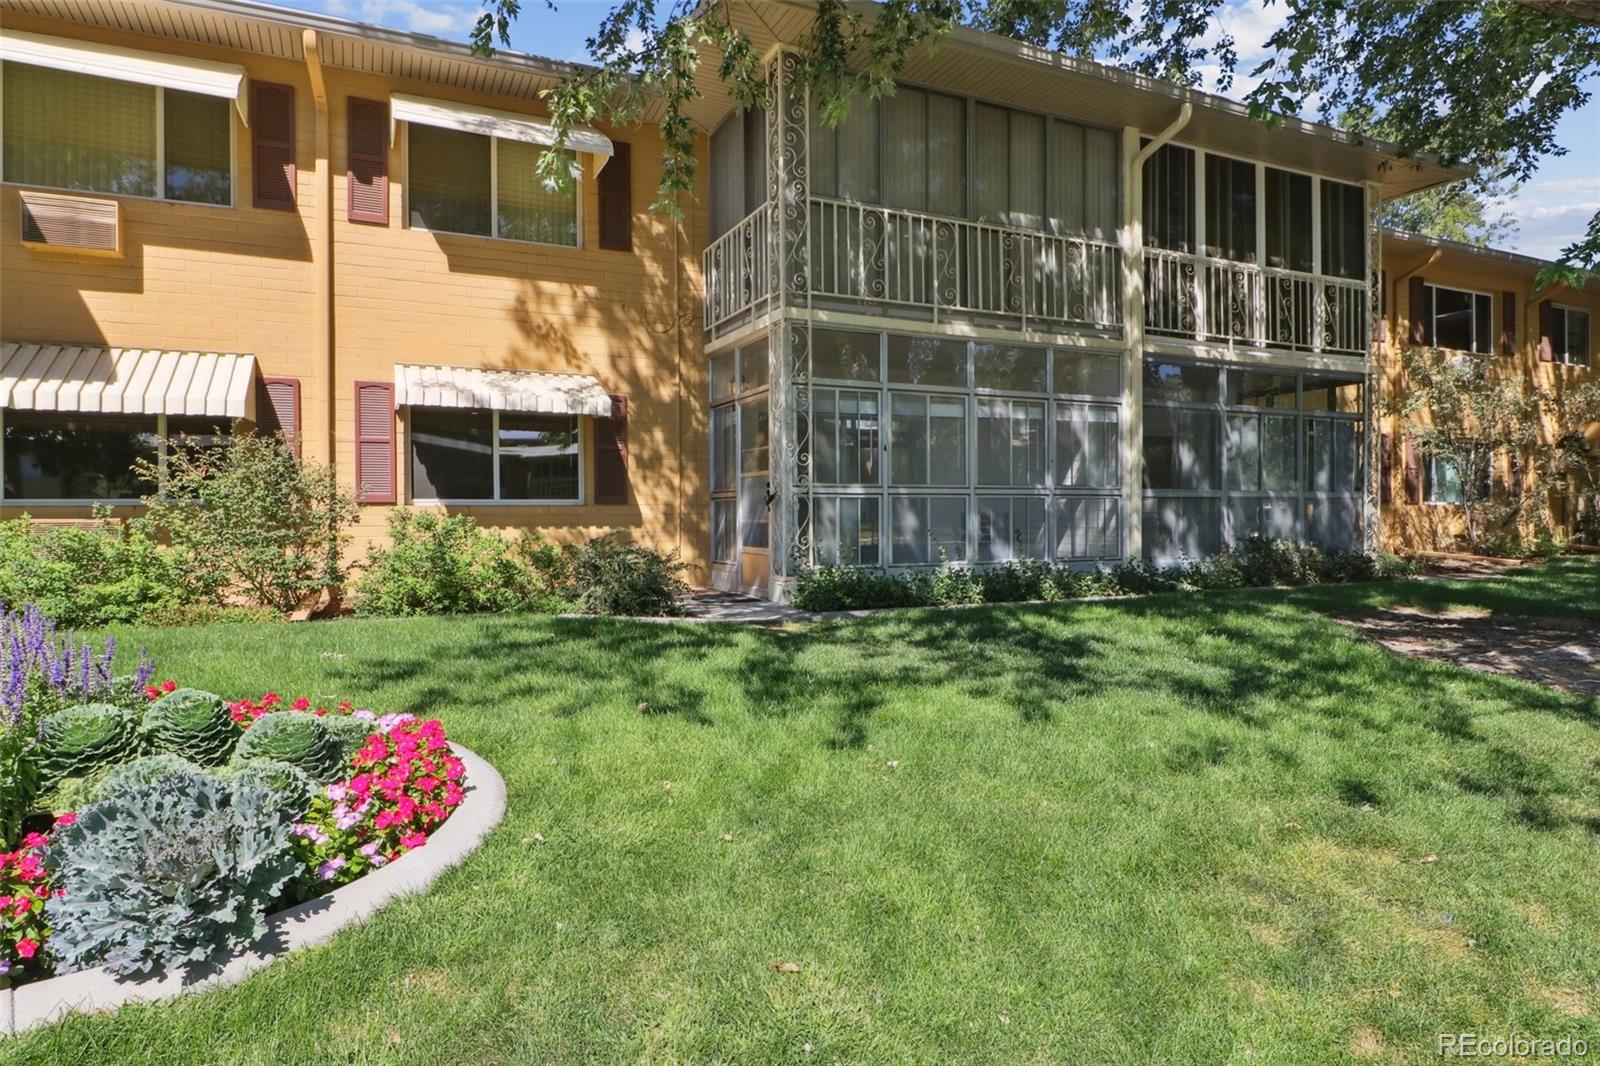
(714, 605)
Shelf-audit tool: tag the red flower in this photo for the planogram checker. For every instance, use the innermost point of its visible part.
(26, 947)
(301, 704)
(151, 692)
(168, 685)
(66, 819)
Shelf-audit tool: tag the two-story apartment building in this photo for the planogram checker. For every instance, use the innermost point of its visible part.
(1486, 302)
(1025, 307)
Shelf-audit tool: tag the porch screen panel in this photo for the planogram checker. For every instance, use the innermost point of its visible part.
(1231, 208)
(1288, 220)
(1169, 199)
(76, 131)
(905, 179)
(1344, 230)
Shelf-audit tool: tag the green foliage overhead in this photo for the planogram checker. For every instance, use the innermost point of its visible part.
(1473, 84)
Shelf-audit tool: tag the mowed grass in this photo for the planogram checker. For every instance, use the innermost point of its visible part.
(1187, 829)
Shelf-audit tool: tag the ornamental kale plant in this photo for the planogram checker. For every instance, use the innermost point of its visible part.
(406, 783)
(43, 671)
(166, 873)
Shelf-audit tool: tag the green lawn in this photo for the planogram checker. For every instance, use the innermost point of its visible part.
(1180, 829)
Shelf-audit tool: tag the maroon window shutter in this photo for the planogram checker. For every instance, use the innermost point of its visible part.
(616, 200)
(367, 163)
(278, 410)
(1547, 331)
(1421, 314)
(1508, 323)
(611, 454)
(1386, 468)
(1413, 474)
(272, 138)
(375, 442)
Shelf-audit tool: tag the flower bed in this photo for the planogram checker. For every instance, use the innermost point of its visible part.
(146, 826)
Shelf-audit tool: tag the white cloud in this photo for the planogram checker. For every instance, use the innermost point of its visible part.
(441, 18)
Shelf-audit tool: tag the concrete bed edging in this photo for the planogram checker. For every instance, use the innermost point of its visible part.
(303, 925)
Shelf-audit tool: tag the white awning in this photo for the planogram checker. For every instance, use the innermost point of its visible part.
(466, 118)
(500, 390)
(71, 377)
(128, 64)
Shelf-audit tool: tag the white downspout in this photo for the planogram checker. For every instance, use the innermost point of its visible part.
(1132, 239)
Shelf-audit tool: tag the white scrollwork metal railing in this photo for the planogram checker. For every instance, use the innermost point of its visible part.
(738, 268)
(1209, 299)
(951, 265)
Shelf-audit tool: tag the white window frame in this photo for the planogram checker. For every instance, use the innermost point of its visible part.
(1564, 357)
(580, 179)
(1430, 482)
(160, 161)
(494, 461)
(1433, 317)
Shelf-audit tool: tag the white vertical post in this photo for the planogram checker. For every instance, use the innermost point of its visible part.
(1258, 302)
(1319, 313)
(1131, 237)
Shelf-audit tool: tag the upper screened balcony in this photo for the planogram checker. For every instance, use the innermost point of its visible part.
(938, 207)
(1241, 253)
(932, 205)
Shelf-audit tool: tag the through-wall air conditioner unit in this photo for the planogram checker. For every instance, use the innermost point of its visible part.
(70, 223)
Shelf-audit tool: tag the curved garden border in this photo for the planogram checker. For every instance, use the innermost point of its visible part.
(302, 925)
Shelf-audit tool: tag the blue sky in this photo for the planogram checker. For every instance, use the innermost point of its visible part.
(1552, 209)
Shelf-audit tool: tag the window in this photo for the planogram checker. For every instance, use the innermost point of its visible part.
(723, 382)
(1344, 230)
(1011, 449)
(844, 356)
(1259, 453)
(1087, 374)
(66, 130)
(1230, 208)
(928, 361)
(754, 366)
(1180, 449)
(1169, 199)
(1088, 527)
(738, 168)
(1462, 320)
(724, 542)
(1569, 339)
(1084, 181)
(1177, 383)
(469, 454)
(1087, 446)
(1009, 161)
(723, 434)
(1443, 481)
(1182, 528)
(1254, 388)
(54, 456)
(844, 437)
(1008, 368)
(928, 527)
(1288, 220)
(845, 530)
(844, 158)
(1011, 527)
(474, 184)
(925, 152)
(928, 443)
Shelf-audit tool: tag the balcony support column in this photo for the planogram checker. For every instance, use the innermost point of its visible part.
(1131, 238)
(1372, 482)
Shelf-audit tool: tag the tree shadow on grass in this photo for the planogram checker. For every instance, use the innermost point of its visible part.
(1251, 661)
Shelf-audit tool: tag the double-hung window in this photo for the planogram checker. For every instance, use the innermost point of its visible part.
(1462, 320)
(485, 186)
(468, 455)
(66, 130)
(1570, 337)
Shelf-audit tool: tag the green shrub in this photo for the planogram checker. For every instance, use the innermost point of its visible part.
(299, 739)
(288, 787)
(136, 774)
(190, 723)
(249, 518)
(442, 564)
(166, 873)
(76, 741)
(607, 575)
(102, 575)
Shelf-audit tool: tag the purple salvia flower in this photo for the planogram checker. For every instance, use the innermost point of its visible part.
(105, 662)
(145, 671)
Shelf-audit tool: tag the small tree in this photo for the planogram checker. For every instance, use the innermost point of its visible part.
(246, 517)
(1471, 417)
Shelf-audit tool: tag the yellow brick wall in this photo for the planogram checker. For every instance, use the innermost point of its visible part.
(242, 279)
(1435, 527)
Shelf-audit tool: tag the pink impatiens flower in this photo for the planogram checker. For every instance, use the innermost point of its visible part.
(26, 948)
(413, 840)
